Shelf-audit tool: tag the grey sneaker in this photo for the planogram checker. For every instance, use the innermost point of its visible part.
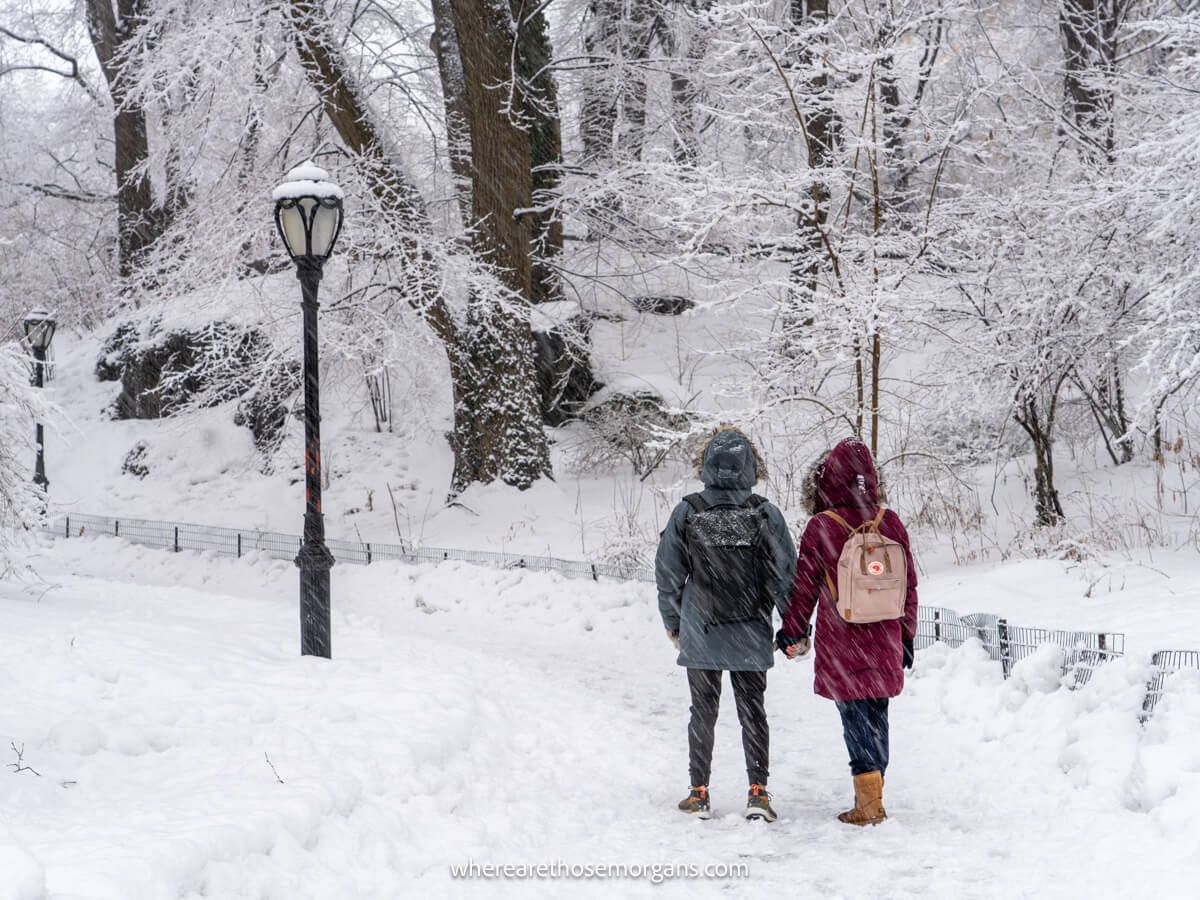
(696, 803)
(758, 804)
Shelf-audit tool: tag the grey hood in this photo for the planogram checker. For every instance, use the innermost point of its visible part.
(730, 461)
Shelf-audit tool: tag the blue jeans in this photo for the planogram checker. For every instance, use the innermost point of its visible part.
(865, 728)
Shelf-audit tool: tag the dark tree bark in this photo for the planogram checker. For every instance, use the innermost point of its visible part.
(598, 115)
(685, 92)
(497, 432)
(822, 129)
(540, 100)
(501, 437)
(1039, 427)
(617, 39)
(138, 222)
(1089, 30)
(1089, 33)
(454, 94)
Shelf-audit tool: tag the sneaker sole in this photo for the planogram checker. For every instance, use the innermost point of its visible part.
(699, 814)
(753, 813)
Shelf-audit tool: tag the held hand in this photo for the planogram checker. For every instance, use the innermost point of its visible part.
(799, 649)
(792, 647)
(673, 637)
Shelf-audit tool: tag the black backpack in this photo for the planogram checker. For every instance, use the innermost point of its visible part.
(725, 544)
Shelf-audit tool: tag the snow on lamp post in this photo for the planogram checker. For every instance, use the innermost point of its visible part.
(308, 214)
(39, 332)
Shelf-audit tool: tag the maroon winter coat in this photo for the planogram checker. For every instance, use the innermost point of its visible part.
(853, 662)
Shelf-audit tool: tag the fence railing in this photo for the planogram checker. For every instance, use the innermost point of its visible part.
(1164, 664)
(1083, 652)
(235, 542)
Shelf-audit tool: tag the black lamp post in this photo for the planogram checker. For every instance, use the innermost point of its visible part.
(308, 213)
(39, 332)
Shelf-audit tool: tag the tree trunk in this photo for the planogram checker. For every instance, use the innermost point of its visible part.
(1048, 510)
(1089, 32)
(444, 43)
(822, 127)
(497, 431)
(540, 99)
(617, 40)
(138, 222)
(598, 114)
(892, 122)
(685, 92)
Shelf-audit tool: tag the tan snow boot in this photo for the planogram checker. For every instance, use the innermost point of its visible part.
(868, 801)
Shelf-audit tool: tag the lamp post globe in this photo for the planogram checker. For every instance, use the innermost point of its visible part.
(308, 215)
(39, 328)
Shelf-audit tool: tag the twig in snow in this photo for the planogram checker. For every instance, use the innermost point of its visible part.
(19, 765)
(274, 771)
(395, 514)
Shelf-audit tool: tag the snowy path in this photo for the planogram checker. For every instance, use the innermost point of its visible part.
(521, 718)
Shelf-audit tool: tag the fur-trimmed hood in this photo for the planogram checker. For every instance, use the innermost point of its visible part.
(843, 478)
(728, 459)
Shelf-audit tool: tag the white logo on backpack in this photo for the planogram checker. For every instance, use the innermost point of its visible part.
(872, 574)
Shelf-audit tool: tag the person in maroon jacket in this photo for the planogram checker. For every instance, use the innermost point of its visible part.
(858, 666)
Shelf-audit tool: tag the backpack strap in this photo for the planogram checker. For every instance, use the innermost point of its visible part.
(754, 501)
(832, 515)
(871, 525)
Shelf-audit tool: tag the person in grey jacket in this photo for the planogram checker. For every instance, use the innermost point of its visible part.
(725, 560)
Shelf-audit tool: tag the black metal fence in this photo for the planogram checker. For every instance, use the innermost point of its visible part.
(1082, 651)
(235, 542)
(1163, 665)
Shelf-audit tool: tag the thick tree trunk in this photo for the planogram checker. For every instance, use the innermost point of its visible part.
(497, 430)
(454, 95)
(138, 222)
(540, 100)
(539, 103)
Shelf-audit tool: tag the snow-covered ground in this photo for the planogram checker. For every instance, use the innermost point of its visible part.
(183, 749)
(163, 739)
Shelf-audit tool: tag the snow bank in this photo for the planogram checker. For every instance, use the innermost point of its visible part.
(1165, 779)
(21, 876)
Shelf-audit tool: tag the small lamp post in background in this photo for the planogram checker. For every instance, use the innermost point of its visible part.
(308, 214)
(39, 332)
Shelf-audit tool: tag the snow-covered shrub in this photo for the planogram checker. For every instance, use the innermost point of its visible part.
(562, 360)
(265, 409)
(635, 427)
(20, 501)
(165, 371)
(135, 461)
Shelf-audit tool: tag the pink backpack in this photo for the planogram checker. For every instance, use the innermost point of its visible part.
(872, 574)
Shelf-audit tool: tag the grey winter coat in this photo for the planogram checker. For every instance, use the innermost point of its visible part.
(729, 467)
